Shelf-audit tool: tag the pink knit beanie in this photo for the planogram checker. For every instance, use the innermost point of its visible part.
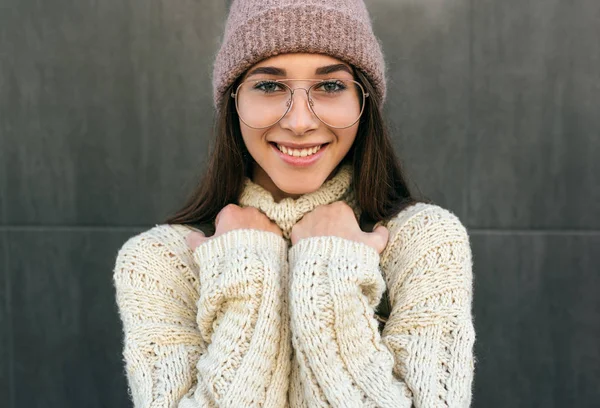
(259, 29)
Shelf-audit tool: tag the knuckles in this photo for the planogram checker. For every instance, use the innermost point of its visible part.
(233, 216)
(336, 213)
(228, 211)
(235, 211)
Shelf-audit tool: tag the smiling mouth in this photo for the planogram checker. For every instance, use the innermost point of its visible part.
(298, 152)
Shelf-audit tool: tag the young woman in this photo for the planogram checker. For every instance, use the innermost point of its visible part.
(268, 286)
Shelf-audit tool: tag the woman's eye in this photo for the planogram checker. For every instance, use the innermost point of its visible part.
(332, 86)
(267, 86)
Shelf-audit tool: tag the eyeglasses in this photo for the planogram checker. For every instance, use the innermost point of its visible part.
(338, 103)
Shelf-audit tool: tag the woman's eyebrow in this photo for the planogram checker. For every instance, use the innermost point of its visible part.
(268, 71)
(328, 69)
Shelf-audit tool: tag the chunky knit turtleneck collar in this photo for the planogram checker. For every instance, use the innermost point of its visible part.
(289, 211)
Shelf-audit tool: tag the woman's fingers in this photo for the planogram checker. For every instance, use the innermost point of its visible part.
(338, 219)
(233, 217)
(379, 238)
(194, 239)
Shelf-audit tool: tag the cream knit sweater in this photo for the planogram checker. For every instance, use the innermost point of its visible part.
(246, 320)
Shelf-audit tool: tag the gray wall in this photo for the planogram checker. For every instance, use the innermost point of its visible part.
(105, 111)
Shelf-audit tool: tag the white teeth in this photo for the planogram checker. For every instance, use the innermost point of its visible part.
(297, 152)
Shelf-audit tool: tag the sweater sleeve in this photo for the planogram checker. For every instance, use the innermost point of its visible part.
(212, 342)
(424, 357)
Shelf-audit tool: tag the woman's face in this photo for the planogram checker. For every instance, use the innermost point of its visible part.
(298, 128)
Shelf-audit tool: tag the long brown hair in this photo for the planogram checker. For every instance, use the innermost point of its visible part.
(378, 180)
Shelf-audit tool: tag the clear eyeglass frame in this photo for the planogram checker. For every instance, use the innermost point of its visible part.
(365, 95)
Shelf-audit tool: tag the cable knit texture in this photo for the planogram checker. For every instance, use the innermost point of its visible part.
(246, 320)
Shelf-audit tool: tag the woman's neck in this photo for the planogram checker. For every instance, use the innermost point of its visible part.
(287, 212)
(261, 178)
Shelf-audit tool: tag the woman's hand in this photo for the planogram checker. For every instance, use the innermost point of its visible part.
(338, 219)
(233, 217)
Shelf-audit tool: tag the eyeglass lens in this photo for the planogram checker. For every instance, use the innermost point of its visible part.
(337, 103)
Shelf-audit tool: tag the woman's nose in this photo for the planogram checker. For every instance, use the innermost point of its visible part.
(300, 118)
